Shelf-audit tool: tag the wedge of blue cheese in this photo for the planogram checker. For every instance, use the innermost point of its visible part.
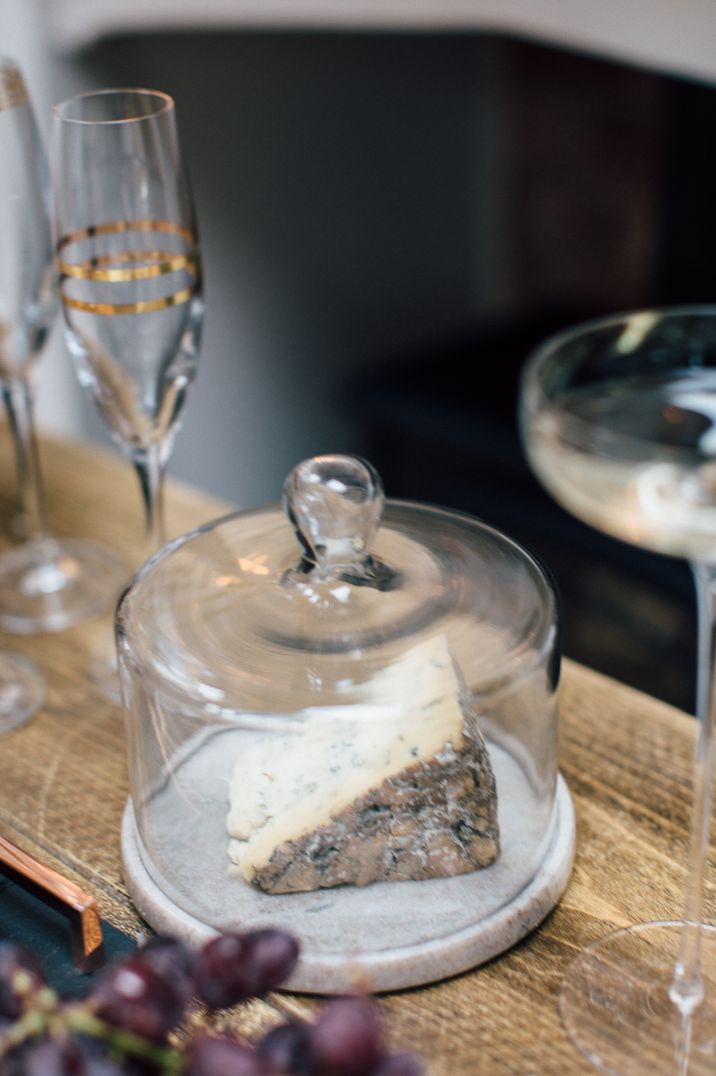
(399, 788)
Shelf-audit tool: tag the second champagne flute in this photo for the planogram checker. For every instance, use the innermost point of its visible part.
(46, 584)
(130, 277)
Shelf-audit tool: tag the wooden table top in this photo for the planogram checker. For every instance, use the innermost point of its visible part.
(625, 756)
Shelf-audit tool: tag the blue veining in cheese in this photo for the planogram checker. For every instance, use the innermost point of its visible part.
(287, 788)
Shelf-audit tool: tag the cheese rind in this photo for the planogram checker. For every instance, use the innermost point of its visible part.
(400, 788)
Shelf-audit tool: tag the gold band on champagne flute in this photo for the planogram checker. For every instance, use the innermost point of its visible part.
(146, 306)
(159, 263)
(104, 267)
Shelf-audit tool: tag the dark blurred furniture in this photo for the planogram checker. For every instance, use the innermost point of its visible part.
(609, 175)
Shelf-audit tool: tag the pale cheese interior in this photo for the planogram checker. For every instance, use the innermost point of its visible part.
(286, 787)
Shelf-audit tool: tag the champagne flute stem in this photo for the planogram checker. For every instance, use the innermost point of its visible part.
(149, 465)
(18, 399)
(687, 989)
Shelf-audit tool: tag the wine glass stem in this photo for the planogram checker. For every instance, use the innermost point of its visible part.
(149, 465)
(18, 399)
(687, 987)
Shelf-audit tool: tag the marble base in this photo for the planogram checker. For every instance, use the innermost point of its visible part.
(378, 966)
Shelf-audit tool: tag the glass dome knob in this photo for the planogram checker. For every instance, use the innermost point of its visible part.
(334, 504)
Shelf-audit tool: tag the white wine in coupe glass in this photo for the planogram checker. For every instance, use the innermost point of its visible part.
(130, 278)
(619, 421)
(45, 584)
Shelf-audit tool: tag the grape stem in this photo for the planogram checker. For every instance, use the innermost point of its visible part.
(126, 1043)
(33, 1023)
(46, 1014)
(39, 1005)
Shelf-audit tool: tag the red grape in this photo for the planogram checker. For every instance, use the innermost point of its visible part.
(168, 955)
(212, 1056)
(47, 1057)
(173, 960)
(148, 993)
(286, 1049)
(347, 1038)
(274, 955)
(233, 967)
(135, 996)
(221, 977)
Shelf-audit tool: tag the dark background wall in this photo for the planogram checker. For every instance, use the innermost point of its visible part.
(390, 223)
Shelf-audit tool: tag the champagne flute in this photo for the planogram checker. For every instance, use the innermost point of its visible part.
(45, 584)
(130, 278)
(619, 421)
(22, 687)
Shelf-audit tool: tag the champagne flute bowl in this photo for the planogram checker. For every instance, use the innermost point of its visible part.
(619, 421)
(127, 254)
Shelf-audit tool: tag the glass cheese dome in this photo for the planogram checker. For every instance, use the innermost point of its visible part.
(342, 720)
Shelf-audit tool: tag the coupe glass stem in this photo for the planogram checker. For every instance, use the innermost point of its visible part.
(150, 465)
(18, 398)
(687, 990)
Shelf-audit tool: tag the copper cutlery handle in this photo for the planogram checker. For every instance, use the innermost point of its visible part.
(79, 908)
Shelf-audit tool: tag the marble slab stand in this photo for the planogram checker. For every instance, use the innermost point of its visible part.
(379, 967)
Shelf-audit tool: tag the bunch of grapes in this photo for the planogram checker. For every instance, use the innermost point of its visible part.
(124, 1024)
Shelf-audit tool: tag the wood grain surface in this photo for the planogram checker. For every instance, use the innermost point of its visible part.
(626, 759)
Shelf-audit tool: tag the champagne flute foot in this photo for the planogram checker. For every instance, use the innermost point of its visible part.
(616, 1007)
(48, 585)
(22, 690)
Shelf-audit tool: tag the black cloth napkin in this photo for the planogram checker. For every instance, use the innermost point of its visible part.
(25, 919)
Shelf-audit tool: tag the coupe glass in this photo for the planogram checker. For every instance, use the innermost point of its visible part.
(45, 584)
(130, 278)
(619, 421)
